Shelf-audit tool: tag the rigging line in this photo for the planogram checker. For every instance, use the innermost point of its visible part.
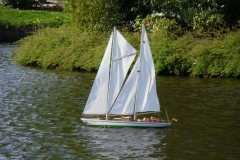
(126, 56)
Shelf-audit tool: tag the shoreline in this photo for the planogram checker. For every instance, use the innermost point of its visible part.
(12, 35)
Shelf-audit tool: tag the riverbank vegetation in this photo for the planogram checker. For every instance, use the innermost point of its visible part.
(70, 49)
(65, 48)
(198, 40)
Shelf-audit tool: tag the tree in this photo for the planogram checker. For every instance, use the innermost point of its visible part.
(91, 15)
(104, 14)
(202, 10)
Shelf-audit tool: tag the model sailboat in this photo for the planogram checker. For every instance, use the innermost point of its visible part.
(112, 95)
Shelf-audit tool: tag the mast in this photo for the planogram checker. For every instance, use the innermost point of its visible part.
(138, 74)
(109, 75)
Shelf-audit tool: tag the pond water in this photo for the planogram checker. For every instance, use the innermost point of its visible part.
(40, 118)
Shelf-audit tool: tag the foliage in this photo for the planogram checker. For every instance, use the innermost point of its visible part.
(200, 15)
(219, 57)
(104, 14)
(70, 49)
(64, 48)
(130, 10)
(156, 22)
(175, 51)
(91, 15)
(206, 21)
(14, 18)
(197, 57)
(172, 56)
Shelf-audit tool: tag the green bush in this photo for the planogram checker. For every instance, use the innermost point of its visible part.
(219, 57)
(187, 55)
(172, 56)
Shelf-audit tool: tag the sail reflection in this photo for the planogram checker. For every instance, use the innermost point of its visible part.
(121, 143)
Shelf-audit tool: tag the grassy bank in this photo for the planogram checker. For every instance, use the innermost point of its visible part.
(14, 18)
(67, 48)
(64, 48)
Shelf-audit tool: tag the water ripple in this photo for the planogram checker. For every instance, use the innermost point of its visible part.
(40, 111)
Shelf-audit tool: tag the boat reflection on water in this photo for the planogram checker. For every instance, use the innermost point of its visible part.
(128, 143)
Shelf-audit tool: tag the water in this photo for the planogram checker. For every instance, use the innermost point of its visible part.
(40, 111)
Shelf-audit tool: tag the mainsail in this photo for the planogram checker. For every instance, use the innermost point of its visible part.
(123, 55)
(112, 72)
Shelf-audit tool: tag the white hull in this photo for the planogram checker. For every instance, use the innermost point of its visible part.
(111, 123)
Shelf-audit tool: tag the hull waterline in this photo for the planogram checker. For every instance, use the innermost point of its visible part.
(133, 124)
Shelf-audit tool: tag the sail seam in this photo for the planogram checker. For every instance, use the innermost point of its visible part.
(125, 56)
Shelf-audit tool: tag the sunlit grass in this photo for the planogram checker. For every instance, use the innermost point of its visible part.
(14, 18)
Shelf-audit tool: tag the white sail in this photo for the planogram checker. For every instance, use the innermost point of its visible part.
(122, 57)
(97, 100)
(137, 95)
(147, 99)
(124, 104)
(140, 87)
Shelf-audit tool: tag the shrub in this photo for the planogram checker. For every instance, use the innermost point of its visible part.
(65, 48)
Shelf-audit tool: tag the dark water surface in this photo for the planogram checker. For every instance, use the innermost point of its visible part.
(40, 111)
